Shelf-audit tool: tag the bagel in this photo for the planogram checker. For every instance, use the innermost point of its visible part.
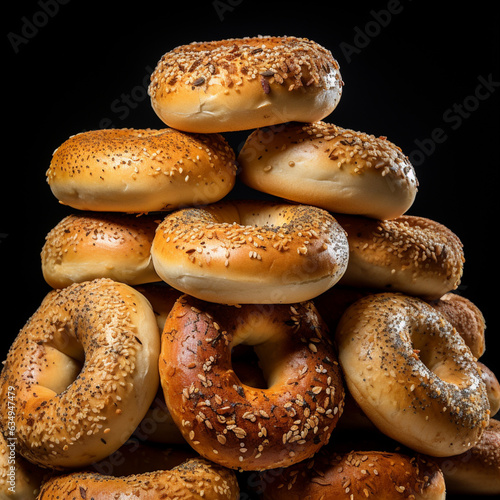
(195, 479)
(477, 471)
(141, 170)
(236, 425)
(250, 252)
(492, 387)
(466, 317)
(84, 372)
(408, 254)
(321, 164)
(240, 84)
(412, 374)
(355, 475)
(90, 245)
(19, 479)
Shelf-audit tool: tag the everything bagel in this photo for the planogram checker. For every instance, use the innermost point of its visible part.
(239, 84)
(412, 374)
(196, 479)
(407, 254)
(236, 425)
(84, 372)
(250, 252)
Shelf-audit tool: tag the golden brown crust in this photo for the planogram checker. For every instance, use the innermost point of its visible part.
(466, 317)
(341, 170)
(240, 84)
(141, 170)
(236, 425)
(477, 471)
(195, 479)
(89, 245)
(84, 371)
(492, 387)
(355, 475)
(412, 374)
(408, 254)
(250, 252)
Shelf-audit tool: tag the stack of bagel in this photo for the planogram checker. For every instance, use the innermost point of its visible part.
(262, 323)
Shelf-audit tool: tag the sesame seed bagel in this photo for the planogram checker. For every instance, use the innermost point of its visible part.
(477, 471)
(141, 170)
(412, 374)
(90, 245)
(331, 167)
(84, 372)
(244, 83)
(194, 479)
(250, 252)
(408, 254)
(234, 424)
(355, 475)
(466, 317)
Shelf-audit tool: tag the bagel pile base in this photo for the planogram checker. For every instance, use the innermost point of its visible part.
(197, 345)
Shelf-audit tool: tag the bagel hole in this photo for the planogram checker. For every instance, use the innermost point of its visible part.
(246, 364)
(440, 363)
(65, 360)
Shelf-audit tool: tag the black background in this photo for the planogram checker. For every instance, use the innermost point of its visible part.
(413, 72)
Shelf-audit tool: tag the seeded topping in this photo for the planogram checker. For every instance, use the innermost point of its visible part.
(196, 479)
(153, 152)
(240, 426)
(288, 61)
(333, 473)
(417, 242)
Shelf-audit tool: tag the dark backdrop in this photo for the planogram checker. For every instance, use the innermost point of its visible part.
(425, 77)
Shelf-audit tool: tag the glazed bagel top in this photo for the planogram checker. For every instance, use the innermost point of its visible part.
(338, 169)
(244, 83)
(141, 170)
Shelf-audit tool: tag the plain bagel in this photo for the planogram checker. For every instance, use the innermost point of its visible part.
(240, 84)
(90, 245)
(412, 374)
(321, 164)
(84, 372)
(407, 254)
(141, 170)
(250, 252)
